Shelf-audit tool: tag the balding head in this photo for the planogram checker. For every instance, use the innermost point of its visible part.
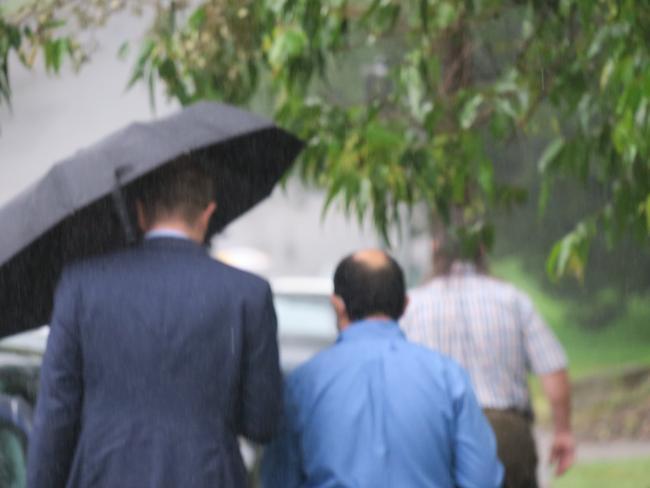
(373, 259)
(370, 282)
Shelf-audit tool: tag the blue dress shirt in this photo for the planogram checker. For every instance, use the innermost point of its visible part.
(377, 411)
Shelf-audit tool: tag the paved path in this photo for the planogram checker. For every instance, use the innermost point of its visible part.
(589, 452)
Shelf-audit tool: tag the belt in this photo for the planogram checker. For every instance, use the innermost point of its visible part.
(526, 414)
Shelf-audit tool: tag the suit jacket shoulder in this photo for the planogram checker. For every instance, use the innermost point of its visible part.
(251, 280)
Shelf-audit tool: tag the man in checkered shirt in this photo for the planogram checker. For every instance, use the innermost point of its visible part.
(493, 330)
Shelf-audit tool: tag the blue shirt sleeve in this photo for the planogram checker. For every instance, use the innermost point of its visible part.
(281, 463)
(476, 462)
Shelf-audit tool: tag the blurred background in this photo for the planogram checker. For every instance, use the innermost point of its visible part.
(603, 319)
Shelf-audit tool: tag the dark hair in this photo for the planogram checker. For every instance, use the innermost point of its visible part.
(369, 290)
(182, 187)
(452, 248)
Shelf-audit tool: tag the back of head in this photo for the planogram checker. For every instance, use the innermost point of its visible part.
(457, 246)
(183, 188)
(370, 283)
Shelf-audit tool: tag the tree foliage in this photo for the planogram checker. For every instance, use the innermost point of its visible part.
(445, 85)
(30, 28)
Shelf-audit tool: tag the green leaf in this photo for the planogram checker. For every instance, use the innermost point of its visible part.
(470, 111)
(584, 111)
(411, 79)
(647, 213)
(550, 154)
(332, 192)
(447, 14)
(486, 177)
(277, 6)
(565, 7)
(123, 51)
(570, 254)
(53, 24)
(197, 19)
(5, 88)
(459, 185)
(552, 262)
(640, 116)
(382, 139)
(544, 195)
(144, 58)
(424, 15)
(606, 73)
(288, 43)
(55, 50)
(150, 75)
(598, 41)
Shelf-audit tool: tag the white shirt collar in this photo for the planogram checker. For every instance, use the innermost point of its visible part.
(462, 268)
(164, 232)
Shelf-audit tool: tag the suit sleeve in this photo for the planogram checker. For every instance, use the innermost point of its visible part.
(56, 421)
(476, 463)
(261, 401)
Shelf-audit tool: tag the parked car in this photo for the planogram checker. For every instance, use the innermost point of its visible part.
(19, 369)
(306, 320)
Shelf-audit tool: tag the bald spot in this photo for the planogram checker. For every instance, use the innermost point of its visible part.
(373, 259)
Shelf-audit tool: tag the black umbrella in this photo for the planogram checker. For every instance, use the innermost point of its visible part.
(79, 208)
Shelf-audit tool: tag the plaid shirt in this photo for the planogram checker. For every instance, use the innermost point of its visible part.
(490, 328)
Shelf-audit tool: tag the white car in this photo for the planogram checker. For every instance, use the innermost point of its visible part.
(306, 320)
(30, 344)
(306, 324)
(20, 360)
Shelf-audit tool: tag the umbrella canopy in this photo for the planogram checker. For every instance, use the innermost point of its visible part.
(71, 213)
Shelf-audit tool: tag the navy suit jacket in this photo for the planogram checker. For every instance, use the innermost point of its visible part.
(158, 357)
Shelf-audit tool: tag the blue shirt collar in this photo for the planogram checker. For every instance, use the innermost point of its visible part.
(168, 233)
(376, 329)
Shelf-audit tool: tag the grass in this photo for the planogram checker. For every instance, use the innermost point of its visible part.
(604, 407)
(631, 473)
(624, 343)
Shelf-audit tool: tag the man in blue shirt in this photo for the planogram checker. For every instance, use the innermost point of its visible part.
(375, 410)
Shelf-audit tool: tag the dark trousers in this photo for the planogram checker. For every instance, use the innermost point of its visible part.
(515, 446)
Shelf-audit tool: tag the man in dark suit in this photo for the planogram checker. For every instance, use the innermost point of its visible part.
(158, 357)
